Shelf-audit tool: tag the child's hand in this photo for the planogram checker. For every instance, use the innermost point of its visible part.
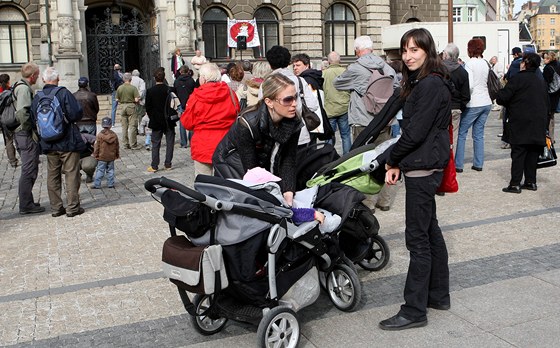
(319, 216)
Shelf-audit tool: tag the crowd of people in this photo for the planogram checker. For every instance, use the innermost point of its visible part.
(248, 115)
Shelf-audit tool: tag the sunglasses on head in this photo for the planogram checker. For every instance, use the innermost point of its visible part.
(287, 101)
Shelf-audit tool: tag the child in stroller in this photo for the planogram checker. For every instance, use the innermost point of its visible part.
(271, 266)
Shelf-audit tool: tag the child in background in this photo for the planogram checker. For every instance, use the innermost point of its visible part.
(144, 130)
(105, 151)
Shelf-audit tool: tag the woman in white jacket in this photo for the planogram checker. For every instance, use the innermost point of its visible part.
(478, 108)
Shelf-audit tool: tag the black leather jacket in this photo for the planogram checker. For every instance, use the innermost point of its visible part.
(251, 144)
(90, 105)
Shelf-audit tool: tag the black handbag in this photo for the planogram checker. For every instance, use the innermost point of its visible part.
(493, 83)
(310, 118)
(548, 157)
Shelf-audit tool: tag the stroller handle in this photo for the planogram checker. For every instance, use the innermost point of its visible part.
(151, 184)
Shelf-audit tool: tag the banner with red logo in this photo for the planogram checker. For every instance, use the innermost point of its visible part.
(239, 27)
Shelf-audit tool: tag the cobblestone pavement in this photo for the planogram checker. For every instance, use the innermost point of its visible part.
(95, 279)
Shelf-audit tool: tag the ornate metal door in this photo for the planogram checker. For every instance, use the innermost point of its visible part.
(133, 39)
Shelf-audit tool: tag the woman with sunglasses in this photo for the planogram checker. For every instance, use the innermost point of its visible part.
(420, 155)
(266, 136)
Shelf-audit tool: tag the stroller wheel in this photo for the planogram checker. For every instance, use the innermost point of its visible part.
(344, 288)
(279, 327)
(204, 323)
(377, 256)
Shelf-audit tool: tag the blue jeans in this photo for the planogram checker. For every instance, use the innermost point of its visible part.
(114, 106)
(342, 123)
(102, 168)
(475, 117)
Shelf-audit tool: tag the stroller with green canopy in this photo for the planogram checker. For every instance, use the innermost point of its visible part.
(362, 170)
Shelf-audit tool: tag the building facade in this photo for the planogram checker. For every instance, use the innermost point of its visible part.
(87, 37)
(545, 25)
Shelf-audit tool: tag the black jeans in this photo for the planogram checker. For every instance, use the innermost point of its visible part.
(29, 153)
(524, 160)
(428, 272)
(157, 135)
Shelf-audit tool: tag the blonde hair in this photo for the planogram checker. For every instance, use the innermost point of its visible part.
(29, 69)
(210, 72)
(261, 69)
(551, 55)
(274, 84)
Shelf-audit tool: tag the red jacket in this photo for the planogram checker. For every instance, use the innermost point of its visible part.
(210, 113)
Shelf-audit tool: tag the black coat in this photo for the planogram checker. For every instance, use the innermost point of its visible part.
(156, 98)
(461, 94)
(244, 148)
(526, 100)
(184, 86)
(424, 143)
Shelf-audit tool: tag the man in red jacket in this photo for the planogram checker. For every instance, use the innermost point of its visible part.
(211, 110)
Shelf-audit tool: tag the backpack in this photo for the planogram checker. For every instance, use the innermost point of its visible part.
(379, 90)
(172, 105)
(51, 123)
(8, 109)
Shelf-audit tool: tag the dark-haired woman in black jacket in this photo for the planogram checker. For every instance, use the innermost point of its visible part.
(527, 103)
(420, 154)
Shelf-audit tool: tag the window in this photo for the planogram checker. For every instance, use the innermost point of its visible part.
(553, 21)
(552, 43)
(267, 26)
(552, 32)
(552, 9)
(456, 14)
(340, 30)
(13, 36)
(471, 14)
(214, 33)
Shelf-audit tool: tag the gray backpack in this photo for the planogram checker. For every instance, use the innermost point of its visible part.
(378, 91)
(8, 109)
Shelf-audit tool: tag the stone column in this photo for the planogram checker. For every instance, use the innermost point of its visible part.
(378, 15)
(183, 25)
(65, 21)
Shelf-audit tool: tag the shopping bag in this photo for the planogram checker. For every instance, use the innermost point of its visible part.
(449, 182)
(548, 157)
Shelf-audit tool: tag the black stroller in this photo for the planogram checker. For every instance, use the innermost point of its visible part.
(265, 269)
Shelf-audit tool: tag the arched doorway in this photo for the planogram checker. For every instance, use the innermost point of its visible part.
(119, 35)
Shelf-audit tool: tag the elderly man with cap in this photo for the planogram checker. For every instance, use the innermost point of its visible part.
(90, 106)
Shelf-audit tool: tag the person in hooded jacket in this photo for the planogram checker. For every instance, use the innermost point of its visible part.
(461, 93)
(265, 136)
(355, 79)
(211, 110)
(421, 154)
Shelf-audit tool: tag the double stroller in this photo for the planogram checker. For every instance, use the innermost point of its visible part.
(266, 267)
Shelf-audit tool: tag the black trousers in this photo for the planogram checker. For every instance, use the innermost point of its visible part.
(524, 160)
(428, 271)
(157, 135)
